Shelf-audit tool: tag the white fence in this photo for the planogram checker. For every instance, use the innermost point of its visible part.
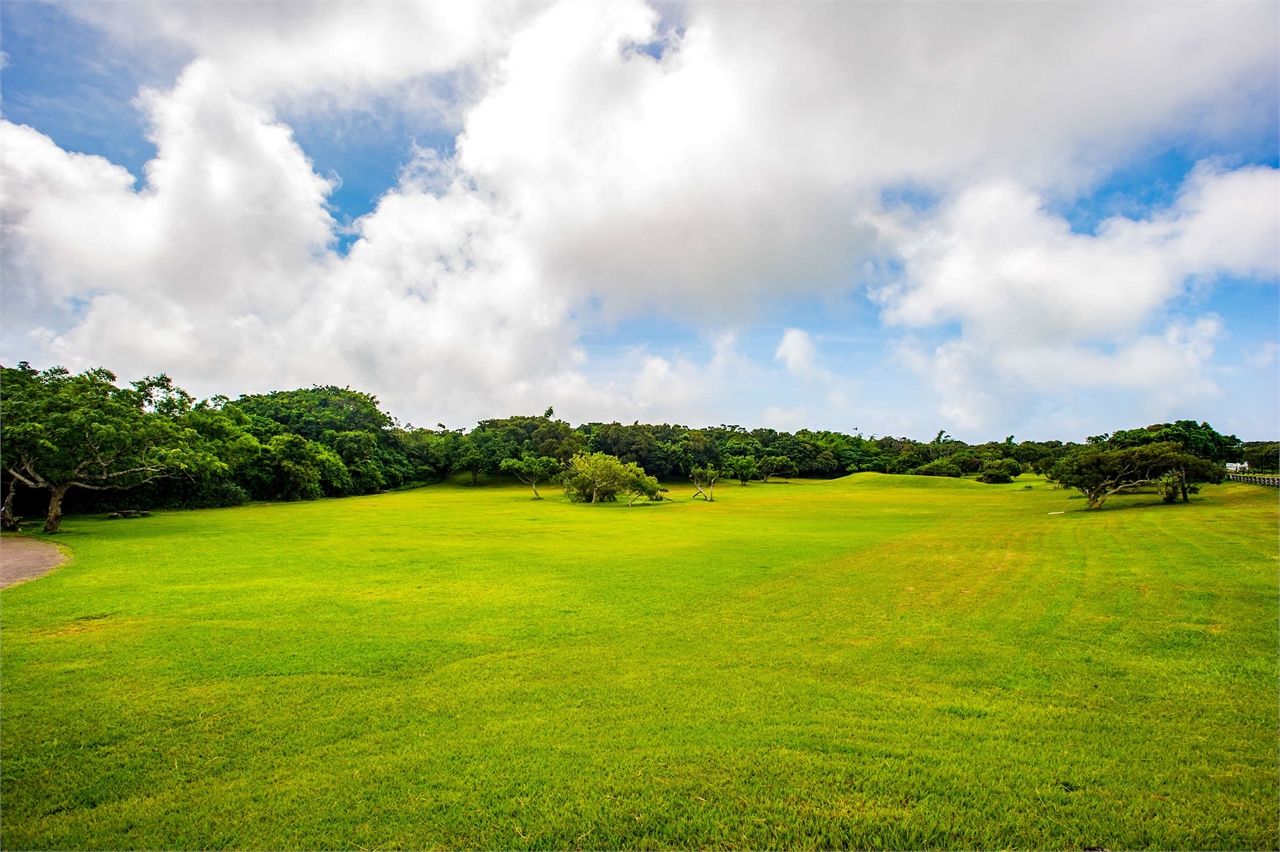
(1273, 481)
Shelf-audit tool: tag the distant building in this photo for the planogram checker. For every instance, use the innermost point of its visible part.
(1235, 467)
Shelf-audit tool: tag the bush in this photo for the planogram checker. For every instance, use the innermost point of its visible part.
(994, 475)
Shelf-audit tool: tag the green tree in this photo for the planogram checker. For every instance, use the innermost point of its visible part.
(531, 470)
(470, 457)
(637, 484)
(1098, 471)
(1198, 439)
(704, 480)
(776, 466)
(1262, 456)
(741, 468)
(359, 454)
(939, 467)
(293, 468)
(63, 431)
(595, 478)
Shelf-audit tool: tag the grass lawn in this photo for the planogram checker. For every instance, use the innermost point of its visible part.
(875, 661)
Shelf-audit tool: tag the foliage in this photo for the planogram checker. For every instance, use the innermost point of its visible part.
(1198, 439)
(770, 466)
(741, 467)
(1262, 456)
(1099, 471)
(64, 431)
(939, 467)
(374, 452)
(531, 470)
(595, 478)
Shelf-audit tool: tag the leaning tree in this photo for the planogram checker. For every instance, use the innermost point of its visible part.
(60, 431)
(1098, 471)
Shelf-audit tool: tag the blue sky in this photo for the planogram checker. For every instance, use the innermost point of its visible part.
(612, 238)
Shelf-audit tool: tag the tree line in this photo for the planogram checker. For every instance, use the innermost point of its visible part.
(83, 443)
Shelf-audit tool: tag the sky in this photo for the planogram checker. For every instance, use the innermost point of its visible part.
(1040, 220)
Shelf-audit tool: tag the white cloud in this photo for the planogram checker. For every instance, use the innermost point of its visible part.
(797, 352)
(741, 169)
(1042, 307)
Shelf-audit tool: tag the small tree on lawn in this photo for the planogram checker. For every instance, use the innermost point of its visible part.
(594, 478)
(704, 480)
(741, 468)
(776, 466)
(531, 470)
(62, 431)
(639, 484)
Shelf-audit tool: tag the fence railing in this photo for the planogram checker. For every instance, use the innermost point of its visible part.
(1273, 481)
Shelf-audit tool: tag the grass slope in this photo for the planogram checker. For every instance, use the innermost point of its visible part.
(875, 661)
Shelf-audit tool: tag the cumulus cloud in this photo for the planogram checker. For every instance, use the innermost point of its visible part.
(797, 352)
(1046, 307)
(323, 55)
(222, 269)
(609, 165)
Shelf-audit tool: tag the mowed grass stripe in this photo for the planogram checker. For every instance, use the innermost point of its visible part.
(868, 662)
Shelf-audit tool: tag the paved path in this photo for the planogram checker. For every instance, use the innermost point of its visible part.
(24, 559)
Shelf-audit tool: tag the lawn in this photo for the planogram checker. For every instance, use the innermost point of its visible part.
(875, 661)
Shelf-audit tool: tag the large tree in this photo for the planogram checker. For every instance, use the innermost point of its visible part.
(64, 431)
(1098, 471)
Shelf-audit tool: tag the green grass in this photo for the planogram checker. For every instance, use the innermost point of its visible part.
(868, 662)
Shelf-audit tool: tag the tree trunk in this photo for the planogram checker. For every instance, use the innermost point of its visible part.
(1182, 483)
(534, 485)
(7, 521)
(711, 492)
(54, 518)
(474, 474)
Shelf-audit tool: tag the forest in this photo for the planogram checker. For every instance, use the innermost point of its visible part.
(83, 444)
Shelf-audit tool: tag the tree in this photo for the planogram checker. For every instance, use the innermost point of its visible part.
(776, 466)
(1098, 472)
(1198, 439)
(62, 431)
(996, 471)
(638, 484)
(293, 468)
(939, 467)
(1262, 456)
(704, 480)
(597, 477)
(531, 469)
(469, 457)
(359, 453)
(1186, 471)
(741, 468)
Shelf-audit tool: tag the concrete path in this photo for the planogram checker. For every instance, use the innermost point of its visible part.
(25, 559)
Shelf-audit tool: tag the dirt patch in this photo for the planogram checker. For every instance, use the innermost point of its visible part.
(25, 559)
